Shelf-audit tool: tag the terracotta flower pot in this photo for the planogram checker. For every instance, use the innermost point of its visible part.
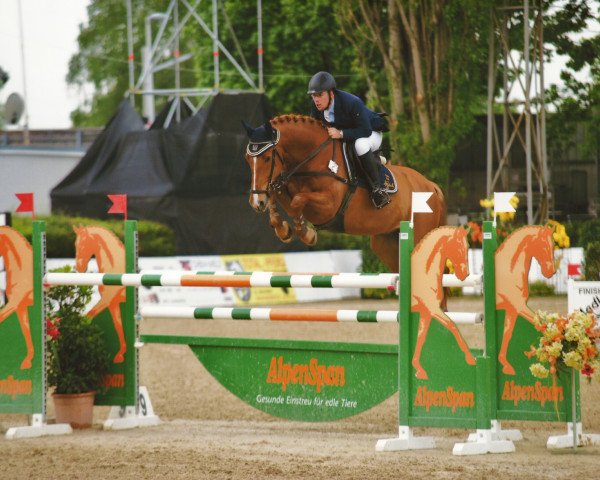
(77, 409)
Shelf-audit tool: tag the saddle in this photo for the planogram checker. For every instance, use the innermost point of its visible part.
(357, 176)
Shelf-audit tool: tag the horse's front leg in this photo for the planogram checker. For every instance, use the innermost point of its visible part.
(281, 227)
(303, 230)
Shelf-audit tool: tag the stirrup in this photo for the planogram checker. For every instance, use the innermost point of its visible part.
(380, 197)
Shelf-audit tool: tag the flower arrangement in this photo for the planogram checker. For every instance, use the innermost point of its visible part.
(566, 342)
(76, 354)
(505, 225)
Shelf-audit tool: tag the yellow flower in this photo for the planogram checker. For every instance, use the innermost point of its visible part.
(554, 349)
(573, 360)
(567, 342)
(506, 216)
(561, 239)
(538, 370)
(486, 203)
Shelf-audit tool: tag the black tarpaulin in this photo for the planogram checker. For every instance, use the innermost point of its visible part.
(191, 176)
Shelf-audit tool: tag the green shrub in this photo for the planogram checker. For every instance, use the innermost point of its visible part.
(541, 289)
(591, 263)
(340, 241)
(77, 357)
(582, 232)
(155, 239)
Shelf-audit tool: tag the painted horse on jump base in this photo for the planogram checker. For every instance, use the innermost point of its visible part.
(18, 263)
(513, 261)
(428, 262)
(295, 164)
(110, 256)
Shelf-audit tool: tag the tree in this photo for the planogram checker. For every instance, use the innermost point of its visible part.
(431, 57)
(297, 43)
(576, 102)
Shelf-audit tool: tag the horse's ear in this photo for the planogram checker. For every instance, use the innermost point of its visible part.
(249, 129)
(270, 130)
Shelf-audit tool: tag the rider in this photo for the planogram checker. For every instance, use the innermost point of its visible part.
(349, 119)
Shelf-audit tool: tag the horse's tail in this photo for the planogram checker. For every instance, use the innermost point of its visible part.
(443, 210)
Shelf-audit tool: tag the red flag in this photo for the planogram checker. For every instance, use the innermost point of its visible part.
(26, 204)
(119, 204)
(574, 270)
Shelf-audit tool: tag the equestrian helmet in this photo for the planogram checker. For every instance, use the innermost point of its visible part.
(321, 82)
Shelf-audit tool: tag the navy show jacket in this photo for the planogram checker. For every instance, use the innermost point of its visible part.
(351, 116)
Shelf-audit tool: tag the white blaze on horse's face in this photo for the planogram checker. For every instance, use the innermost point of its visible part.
(258, 187)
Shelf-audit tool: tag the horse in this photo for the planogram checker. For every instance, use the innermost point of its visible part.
(18, 263)
(513, 261)
(110, 255)
(296, 165)
(428, 262)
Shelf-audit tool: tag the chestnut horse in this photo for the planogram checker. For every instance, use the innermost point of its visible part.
(18, 263)
(428, 261)
(110, 256)
(513, 261)
(295, 164)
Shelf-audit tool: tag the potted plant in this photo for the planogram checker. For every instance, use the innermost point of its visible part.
(76, 355)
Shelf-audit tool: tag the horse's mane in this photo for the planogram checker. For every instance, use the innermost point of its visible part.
(294, 118)
(425, 241)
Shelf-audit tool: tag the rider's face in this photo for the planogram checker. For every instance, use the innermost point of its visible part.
(321, 100)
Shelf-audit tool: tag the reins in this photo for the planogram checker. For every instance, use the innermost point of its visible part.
(284, 177)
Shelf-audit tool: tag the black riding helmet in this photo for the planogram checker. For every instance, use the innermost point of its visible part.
(321, 82)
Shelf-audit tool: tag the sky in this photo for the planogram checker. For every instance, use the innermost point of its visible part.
(50, 29)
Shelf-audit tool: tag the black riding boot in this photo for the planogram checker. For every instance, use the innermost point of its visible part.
(379, 196)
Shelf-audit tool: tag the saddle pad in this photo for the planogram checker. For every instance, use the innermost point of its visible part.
(386, 177)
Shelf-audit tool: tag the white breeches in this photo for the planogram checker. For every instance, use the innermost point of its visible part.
(363, 145)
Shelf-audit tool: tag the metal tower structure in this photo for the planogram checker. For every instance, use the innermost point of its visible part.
(171, 23)
(517, 41)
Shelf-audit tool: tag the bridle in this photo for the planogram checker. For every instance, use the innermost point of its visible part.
(254, 149)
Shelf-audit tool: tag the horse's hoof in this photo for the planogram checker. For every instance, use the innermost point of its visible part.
(286, 235)
(119, 358)
(421, 374)
(508, 370)
(285, 239)
(470, 359)
(309, 238)
(26, 364)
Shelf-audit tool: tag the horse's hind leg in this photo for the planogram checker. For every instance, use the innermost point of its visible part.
(509, 324)
(385, 247)
(115, 312)
(451, 326)
(26, 330)
(424, 323)
(281, 227)
(21, 310)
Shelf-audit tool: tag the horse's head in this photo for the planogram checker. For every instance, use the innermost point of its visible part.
(542, 249)
(84, 248)
(457, 250)
(262, 158)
